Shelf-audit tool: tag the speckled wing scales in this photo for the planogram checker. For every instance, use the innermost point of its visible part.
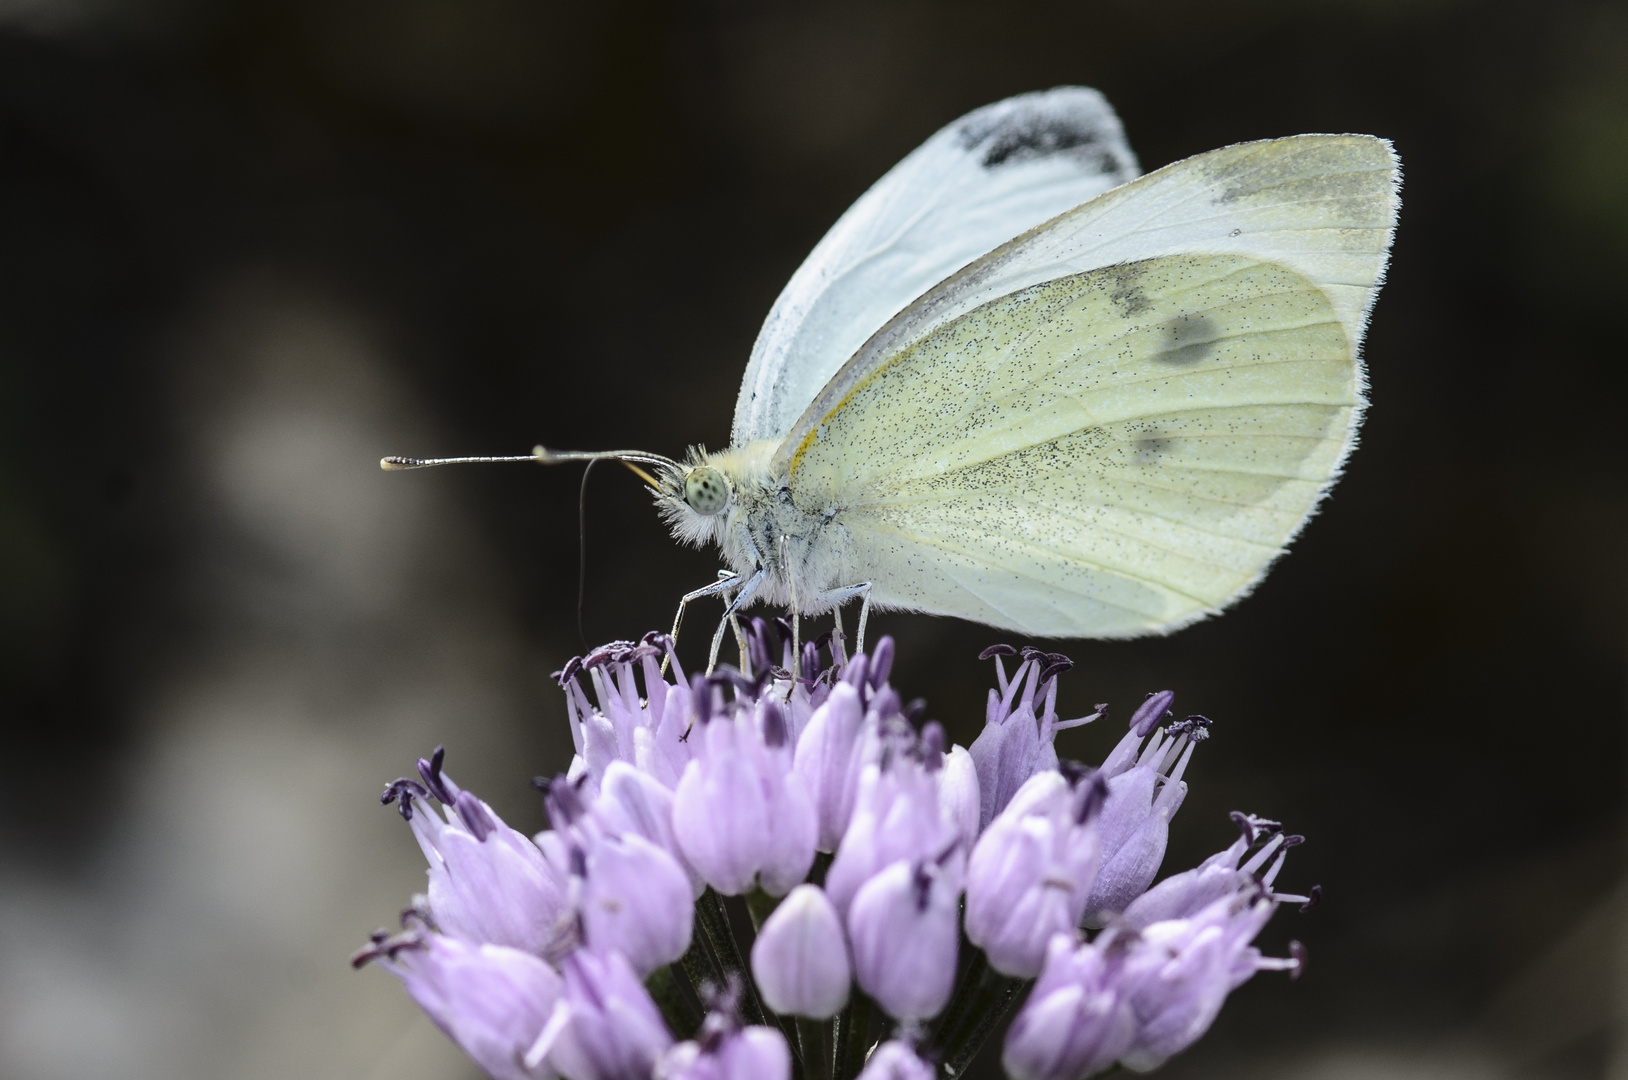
(1108, 454)
(1112, 425)
(976, 184)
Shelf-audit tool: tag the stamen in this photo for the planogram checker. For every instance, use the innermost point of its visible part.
(474, 816)
(1314, 898)
(402, 792)
(431, 772)
(1150, 712)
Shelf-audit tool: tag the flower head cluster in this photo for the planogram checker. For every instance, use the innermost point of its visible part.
(904, 892)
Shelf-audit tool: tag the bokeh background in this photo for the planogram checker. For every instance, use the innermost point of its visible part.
(249, 246)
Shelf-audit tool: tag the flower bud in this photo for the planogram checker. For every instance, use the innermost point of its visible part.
(493, 1001)
(958, 794)
(636, 900)
(1030, 873)
(904, 927)
(828, 759)
(1075, 1022)
(631, 801)
(897, 816)
(605, 1027)
(800, 957)
(896, 1061)
(742, 817)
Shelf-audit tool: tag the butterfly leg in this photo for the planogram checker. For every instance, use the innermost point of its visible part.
(836, 598)
(742, 598)
(727, 580)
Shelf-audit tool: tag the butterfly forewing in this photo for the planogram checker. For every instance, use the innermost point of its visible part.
(991, 175)
(1106, 454)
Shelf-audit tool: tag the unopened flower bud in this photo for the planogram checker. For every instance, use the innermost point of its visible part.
(958, 795)
(904, 927)
(828, 759)
(605, 1027)
(896, 1060)
(742, 817)
(1029, 876)
(636, 900)
(800, 957)
(1075, 1023)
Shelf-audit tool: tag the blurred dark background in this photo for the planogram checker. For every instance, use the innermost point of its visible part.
(249, 246)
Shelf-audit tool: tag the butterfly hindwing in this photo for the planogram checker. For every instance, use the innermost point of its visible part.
(1105, 454)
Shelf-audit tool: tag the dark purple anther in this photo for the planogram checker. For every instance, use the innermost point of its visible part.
(430, 770)
(854, 674)
(757, 645)
(922, 880)
(569, 671)
(1151, 711)
(401, 792)
(932, 745)
(997, 650)
(474, 816)
(563, 802)
(1313, 898)
(701, 695)
(1092, 791)
(775, 734)
(881, 662)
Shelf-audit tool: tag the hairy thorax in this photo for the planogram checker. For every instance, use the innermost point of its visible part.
(804, 550)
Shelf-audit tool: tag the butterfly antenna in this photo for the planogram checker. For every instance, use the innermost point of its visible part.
(582, 553)
(542, 455)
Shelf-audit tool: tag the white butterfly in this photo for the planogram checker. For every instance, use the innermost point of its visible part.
(1015, 385)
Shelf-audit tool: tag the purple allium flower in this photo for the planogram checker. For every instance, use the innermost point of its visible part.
(1018, 742)
(488, 883)
(898, 814)
(1144, 793)
(742, 816)
(800, 957)
(905, 932)
(1029, 876)
(533, 955)
(493, 1001)
(897, 1061)
(725, 1050)
(605, 1026)
(648, 732)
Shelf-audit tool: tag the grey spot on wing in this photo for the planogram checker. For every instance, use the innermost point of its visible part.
(1149, 450)
(1127, 294)
(1189, 339)
(1028, 133)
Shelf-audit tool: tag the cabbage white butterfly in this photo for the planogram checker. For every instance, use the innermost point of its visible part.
(1018, 384)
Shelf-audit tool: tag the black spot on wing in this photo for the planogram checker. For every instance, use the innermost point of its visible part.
(1125, 290)
(1027, 133)
(1189, 339)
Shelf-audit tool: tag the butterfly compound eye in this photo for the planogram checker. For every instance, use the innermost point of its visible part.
(706, 490)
